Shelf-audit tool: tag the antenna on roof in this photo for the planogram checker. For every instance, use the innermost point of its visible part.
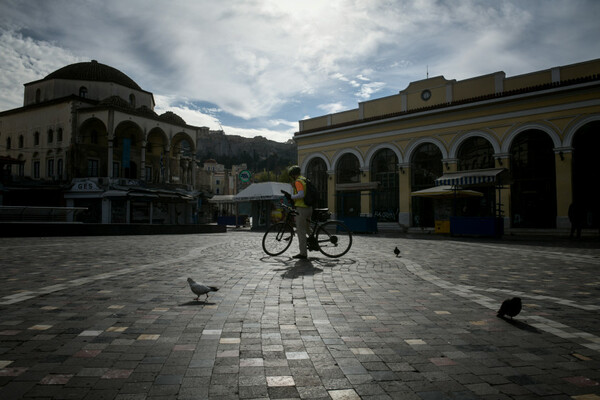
(427, 71)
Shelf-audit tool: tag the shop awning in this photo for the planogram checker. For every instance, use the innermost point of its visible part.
(263, 191)
(446, 192)
(473, 177)
(222, 198)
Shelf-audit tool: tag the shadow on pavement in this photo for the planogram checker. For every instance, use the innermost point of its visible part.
(521, 325)
(196, 303)
(300, 268)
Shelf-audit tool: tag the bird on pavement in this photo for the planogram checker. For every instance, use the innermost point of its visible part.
(200, 289)
(510, 307)
(397, 251)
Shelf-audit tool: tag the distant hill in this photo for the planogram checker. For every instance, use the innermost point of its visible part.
(259, 153)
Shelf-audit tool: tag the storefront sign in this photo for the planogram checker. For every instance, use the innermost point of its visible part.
(245, 175)
(85, 186)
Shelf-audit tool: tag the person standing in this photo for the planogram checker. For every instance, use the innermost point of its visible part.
(576, 216)
(304, 211)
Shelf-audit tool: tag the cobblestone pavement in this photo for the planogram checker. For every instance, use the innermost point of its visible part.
(113, 318)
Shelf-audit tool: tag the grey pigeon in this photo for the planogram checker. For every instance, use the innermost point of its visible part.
(397, 251)
(510, 307)
(199, 289)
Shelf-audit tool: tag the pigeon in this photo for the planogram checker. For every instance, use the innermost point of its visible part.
(199, 289)
(510, 307)
(397, 251)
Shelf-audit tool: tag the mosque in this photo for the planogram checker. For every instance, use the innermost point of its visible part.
(87, 137)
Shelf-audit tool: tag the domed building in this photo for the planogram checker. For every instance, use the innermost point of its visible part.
(87, 136)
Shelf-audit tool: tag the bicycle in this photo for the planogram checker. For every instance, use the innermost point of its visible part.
(330, 237)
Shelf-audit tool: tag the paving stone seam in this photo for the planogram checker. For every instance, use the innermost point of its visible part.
(547, 325)
(570, 256)
(27, 294)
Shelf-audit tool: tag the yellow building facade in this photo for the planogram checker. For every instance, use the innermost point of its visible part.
(540, 131)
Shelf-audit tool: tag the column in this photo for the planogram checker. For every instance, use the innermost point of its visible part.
(503, 161)
(365, 196)
(111, 137)
(331, 192)
(563, 161)
(143, 160)
(110, 158)
(450, 165)
(404, 197)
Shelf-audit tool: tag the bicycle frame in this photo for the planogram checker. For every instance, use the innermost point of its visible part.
(329, 236)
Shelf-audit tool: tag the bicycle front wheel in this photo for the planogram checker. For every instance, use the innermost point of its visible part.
(277, 238)
(334, 238)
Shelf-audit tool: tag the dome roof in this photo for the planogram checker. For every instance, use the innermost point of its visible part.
(115, 101)
(93, 71)
(173, 118)
(146, 111)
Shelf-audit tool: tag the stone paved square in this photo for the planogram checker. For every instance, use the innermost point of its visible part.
(113, 318)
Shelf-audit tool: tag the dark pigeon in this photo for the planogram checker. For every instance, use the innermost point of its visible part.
(511, 307)
(397, 251)
(200, 289)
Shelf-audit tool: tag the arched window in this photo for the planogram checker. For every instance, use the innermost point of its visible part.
(132, 100)
(316, 171)
(384, 169)
(50, 135)
(83, 92)
(533, 192)
(21, 141)
(475, 153)
(586, 143)
(36, 139)
(348, 171)
(8, 143)
(59, 135)
(425, 167)
(59, 168)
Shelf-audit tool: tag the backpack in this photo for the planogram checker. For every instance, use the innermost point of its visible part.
(311, 197)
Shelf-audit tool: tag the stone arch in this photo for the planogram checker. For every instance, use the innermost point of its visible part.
(374, 149)
(86, 130)
(182, 155)
(177, 141)
(510, 137)
(572, 130)
(342, 152)
(157, 139)
(312, 156)
(460, 139)
(129, 134)
(416, 143)
(157, 145)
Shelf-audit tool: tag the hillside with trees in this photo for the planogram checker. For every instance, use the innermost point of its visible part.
(259, 153)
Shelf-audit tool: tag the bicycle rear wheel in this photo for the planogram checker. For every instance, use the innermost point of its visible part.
(277, 239)
(334, 238)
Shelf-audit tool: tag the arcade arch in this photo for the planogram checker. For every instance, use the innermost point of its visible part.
(384, 170)
(425, 167)
(316, 171)
(533, 191)
(586, 195)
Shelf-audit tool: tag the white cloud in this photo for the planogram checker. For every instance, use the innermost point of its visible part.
(26, 60)
(332, 108)
(254, 59)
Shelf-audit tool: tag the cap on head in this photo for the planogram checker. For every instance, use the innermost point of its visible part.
(294, 170)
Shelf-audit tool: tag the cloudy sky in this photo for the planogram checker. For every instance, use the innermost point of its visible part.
(257, 67)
